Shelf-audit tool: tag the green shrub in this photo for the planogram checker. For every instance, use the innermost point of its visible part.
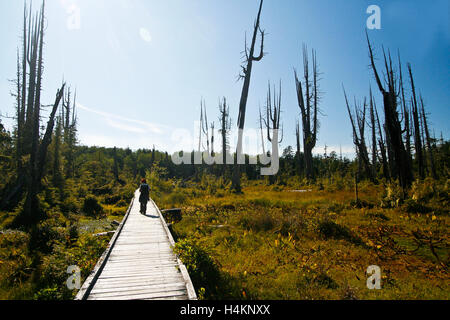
(413, 206)
(53, 274)
(292, 225)
(202, 269)
(326, 281)
(176, 198)
(336, 207)
(16, 263)
(377, 215)
(265, 203)
(122, 203)
(47, 233)
(392, 196)
(262, 221)
(92, 207)
(330, 229)
(423, 190)
(48, 294)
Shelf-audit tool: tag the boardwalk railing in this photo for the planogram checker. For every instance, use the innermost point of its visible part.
(139, 262)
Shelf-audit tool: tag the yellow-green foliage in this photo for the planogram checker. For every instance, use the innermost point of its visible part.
(276, 244)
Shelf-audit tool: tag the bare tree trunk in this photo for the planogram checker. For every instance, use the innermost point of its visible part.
(308, 103)
(201, 127)
(272, 122)
(247, 72)
(384, 159)
(30, 216)
(204, 125)
(359, 139)
(407, 128)
(34, 122)
(19, 119)
(417, 136)
(297, 138)
(225, 125)
(394, 131)
(212, 139)
(374, 136)
(262, 131)
(428, 139)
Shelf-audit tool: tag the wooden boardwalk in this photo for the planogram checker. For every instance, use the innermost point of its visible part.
(139, 263)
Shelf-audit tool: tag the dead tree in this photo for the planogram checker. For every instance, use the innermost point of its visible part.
(246, 75)
(18, 96)
(57, 177)
(308, 102)
(225, 127)
(393, 126)
(297, 140)
(374, 135)
(359, 135)
(69, 126)
(26, 113)
(262, 131)
(30, 214)
(272, 123)
(417, 128)
(428, 139)
(273, 115)
(212, 139)
(406, 113)
(424, 149)
(382, 145)
(204, 128)
(200, 134)
(33, 144)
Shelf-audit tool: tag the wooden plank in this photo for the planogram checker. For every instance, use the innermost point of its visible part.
(169, 298)
(149, 282)
(140, 263)
(141, 288)
(83, 293)
(138, 295)
(112, 278)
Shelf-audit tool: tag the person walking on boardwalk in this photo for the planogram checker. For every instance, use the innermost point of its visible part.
(144, 189)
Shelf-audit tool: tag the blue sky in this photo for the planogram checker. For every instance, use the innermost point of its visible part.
(141, 67)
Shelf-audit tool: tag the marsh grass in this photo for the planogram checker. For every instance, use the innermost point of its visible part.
(277, 244)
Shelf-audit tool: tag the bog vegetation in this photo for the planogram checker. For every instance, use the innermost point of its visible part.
(309, 232)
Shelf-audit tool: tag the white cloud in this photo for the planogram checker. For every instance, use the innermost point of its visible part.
(124, 127)
(145, 35)
(143, 126)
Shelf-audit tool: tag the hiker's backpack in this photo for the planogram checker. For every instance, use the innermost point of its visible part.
(145, 191)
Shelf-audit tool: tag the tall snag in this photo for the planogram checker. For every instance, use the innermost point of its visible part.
(359, 136)
(417, 134)
(298, 153)
(247, 73)
(382, 145)
(428, 139)
(272, 123)
(29, 119)
(393, 126)
(70, 131)
(374, 135)
(225, 127)
(308, 102)
(406, 113)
